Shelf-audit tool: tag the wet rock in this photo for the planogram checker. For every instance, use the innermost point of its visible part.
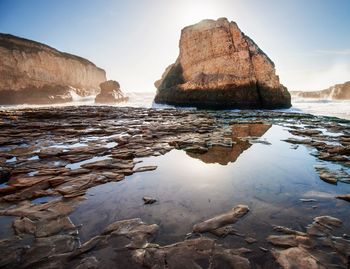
(197, 150)
(229, 217)
(328, 221)
(88, 263)
(47, 246)
(149, 200)
(113, 176)
(128, 240)
(124, 238)
(318, 248)
(78, 186)
(50, 210)
(50, 152)
(298, 141)
(5, 175)
(12, 250)
(145, 168)
(250, 240)
(195, 253)
(7, 190)
(33, 190)
(225, 231)
(328, 177)
(296, 258)
(109, 164)
(286, 230)
(44, 227)
(345, 197)
(306, 132)
(283, 240)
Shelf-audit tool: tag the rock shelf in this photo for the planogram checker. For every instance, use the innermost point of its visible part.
(55, 155)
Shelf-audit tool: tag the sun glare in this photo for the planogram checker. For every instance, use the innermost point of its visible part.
(196, 11)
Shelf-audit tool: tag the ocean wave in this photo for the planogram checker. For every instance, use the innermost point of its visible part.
(324, 107)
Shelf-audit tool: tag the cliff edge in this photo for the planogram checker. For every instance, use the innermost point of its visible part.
(34, 73)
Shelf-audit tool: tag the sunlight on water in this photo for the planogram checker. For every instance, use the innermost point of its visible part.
(270, 179)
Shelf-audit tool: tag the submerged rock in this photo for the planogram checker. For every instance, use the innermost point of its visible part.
(345, 197)
(220, 67)
(110, 93)
(222, 220)
(315, 249)
(195, 253)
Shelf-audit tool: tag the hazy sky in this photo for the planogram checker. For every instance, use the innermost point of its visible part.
(135, 40)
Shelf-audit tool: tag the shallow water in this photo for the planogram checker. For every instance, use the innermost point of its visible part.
(270, 178)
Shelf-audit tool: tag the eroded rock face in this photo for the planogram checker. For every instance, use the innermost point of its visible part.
(35, 73)
(220, 67)
(110, 93)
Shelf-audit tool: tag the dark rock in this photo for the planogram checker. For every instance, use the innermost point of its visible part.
(110, 93)
(345, 197)
(149, 200)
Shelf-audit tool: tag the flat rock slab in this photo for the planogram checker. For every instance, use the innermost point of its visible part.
(145, 168)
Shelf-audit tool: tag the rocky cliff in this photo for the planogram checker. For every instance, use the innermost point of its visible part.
(336, 92)
(220, 67)
(32, 72)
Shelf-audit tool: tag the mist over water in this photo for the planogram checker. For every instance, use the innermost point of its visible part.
(322, 107)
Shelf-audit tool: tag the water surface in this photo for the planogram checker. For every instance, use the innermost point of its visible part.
(270, 177)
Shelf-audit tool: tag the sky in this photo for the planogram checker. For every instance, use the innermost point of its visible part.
(135, 40)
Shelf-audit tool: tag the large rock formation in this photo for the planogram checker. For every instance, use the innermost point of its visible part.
(110, 93)
(35, 73)
(336, 92)
(220, 67)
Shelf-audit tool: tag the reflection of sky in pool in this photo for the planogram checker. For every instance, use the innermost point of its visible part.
(270, 179)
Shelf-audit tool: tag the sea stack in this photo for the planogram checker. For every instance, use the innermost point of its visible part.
(219, 67)
(110, 93)
(34, 73)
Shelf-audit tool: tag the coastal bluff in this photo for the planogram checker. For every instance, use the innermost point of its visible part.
(336, 92)
(220, 67)
(34, 73)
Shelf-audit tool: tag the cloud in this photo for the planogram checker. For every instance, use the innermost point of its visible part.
(334, 52)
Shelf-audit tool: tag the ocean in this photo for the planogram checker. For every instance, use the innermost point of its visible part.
(340, 109)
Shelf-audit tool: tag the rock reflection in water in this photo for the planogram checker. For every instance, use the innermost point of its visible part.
(241, 136)
(189, 191)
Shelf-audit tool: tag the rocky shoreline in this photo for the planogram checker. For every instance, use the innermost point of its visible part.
(51, 157)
